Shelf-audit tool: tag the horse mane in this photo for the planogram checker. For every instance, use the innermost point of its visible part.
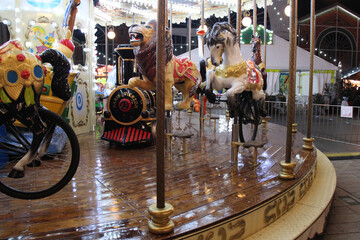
(213, 35)
(256, 52)
(146, 56)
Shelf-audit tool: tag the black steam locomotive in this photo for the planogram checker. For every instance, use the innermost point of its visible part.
(130, 115)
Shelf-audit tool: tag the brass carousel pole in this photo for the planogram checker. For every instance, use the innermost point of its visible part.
(189, 40)
(202, 56)
(264, 120)
(294, 125)
(160, 211)
(309, 140)
(238, 21)
(229, 14)
(287, 167)
(106, 52)
(265, 27)
(171, 16)
(168, 119)
(254, 18)
(235, 126)
(166, 14)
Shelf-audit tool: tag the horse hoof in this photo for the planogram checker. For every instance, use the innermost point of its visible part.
(35, 163)
(263, 113)
(210, 96)
(16, 174)
(168, 107)
(231, 113)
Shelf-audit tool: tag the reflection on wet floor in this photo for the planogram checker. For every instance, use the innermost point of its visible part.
(114, 185)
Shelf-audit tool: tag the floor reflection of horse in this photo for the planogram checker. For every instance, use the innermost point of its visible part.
(231, 69)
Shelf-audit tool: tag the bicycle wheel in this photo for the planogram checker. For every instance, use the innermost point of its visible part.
(46, 175)
(248, 114)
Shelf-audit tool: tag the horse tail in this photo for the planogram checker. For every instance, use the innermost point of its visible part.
(196, 89)
(202, 77)
(61, 65)
(203, 69)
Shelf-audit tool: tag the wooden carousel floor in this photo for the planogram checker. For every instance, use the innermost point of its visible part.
(114, 186)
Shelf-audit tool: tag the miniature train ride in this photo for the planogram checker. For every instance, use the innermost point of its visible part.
(130, 114)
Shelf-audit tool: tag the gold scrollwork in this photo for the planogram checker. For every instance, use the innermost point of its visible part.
(187, 64)
(239, 224)
(210, 235)
(231, 71)
(222, 233)
(278, 211)
(272, 217)
(306, 184)
(281, 206)
(291, 196)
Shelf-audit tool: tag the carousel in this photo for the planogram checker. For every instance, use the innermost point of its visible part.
(178, 173)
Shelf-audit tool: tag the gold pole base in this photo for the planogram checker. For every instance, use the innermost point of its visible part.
(265, 120)
(294, 130)
(308, 144)
(227, 113)
(287, 170)
(160, 222)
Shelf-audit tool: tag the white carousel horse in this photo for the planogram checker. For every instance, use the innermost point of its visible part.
(232, 72)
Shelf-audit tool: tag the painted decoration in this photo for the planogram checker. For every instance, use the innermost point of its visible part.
(79, 106)
(44, 4)
(79, 101)
(284, 82)
(42, 38)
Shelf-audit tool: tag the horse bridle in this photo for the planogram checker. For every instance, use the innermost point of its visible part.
(223, 46)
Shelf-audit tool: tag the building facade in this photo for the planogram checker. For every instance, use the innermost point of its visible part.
(336, 35)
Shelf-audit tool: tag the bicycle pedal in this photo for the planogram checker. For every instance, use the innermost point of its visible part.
(34, 163)
(16, 174)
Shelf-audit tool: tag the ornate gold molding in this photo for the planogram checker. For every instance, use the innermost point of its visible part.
(231, 71)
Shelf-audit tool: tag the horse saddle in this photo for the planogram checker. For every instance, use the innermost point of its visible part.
(254, 78)
(183, 67)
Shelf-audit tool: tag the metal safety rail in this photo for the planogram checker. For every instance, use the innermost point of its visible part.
(326, 120)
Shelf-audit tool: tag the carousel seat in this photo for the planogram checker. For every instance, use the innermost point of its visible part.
(184, 136)
(254, 144)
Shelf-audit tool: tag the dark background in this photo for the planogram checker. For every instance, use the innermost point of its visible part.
(304, 6)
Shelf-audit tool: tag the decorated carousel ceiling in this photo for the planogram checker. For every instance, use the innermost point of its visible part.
(116, 12)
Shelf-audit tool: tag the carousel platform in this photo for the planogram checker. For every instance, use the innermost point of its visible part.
(213, 197)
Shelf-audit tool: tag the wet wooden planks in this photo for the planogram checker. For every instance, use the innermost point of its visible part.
(114, 186)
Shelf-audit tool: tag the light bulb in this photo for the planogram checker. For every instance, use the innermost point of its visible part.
(111, 34)
(287, 10)
(246, 21)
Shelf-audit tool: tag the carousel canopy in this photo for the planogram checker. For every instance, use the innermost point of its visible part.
(116, 12)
